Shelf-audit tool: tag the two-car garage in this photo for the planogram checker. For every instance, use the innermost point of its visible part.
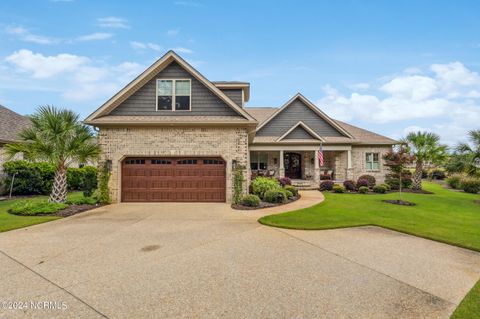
(173, 179)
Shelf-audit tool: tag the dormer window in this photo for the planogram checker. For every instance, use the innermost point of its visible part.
(173, 95)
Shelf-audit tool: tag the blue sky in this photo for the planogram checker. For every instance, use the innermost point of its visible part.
(388, 66)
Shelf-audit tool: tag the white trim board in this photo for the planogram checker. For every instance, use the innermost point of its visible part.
(305, 127)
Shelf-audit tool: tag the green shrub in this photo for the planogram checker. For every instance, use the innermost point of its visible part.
(83, 201)
(33, 207)
(250, 200)
(471, 185)
(275, 196)
(349, 185)
(387, 187)
(289, 194)
(103, 193)
(394, 182)
(363, 189)
(261, 185)
(370, 179)
(338, 189)
(455, 181)
(326, 185)
(291, 189)
(238, 181)
(37, 178)
(379, 189)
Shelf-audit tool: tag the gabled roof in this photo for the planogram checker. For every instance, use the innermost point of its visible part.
(360, 136)
(305, 127)
(149, 73)
(312, 106)
(11, 124)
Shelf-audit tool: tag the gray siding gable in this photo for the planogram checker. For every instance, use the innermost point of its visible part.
(291, 115)
(299, 133)
(203, 101)
(235, 95)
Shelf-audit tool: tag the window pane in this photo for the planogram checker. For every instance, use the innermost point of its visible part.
(164, 102)
(254, 166)
(376, 166)
(182, 87)
(164, 87)
(375, 157)
(263, 157)
(369, 165)
(369, 157)
(263, 165)
(182, 103)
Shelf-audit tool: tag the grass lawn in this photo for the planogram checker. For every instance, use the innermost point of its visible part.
(446, 216)
(9, 221)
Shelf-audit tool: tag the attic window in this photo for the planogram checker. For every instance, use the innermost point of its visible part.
(173, 95)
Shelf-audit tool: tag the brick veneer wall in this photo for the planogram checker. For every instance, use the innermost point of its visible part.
(358, 162)
(118, 143)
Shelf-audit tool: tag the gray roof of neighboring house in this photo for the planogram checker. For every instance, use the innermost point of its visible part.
(11, 124)
(361, 136)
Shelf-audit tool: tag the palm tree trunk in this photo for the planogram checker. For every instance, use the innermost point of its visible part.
(59, 189)
(417, 178)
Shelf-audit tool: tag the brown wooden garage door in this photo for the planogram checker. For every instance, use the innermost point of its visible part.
(186, 179)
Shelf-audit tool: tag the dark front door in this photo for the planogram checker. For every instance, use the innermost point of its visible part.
(293, 165)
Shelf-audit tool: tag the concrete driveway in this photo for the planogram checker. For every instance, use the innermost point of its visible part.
(205, 260)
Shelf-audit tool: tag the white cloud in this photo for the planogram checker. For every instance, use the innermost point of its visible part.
(25, 35)
(75, 78)
(182, 50)
(40, 66)
(113, 22)
(413, 87)
(143, 46)
(96, 36)
(173, 32)
(445, 99)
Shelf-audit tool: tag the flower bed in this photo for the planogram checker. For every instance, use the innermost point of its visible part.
(264, 204)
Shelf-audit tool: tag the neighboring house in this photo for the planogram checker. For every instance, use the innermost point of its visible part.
(11, 124)
(173, 135)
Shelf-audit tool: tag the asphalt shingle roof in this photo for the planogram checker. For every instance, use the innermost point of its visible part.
(11, 124)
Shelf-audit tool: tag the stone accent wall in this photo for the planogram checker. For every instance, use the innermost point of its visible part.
(118, 143)
(358, 162)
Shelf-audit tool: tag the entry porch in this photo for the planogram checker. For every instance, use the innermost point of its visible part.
(300, 163)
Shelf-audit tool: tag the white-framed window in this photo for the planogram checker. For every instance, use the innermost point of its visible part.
(372, 162)
(174, 94)
(258, 160)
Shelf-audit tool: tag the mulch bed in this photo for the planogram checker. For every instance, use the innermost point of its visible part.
(477, 202)
(399, 202)
(264, 204)
(74, 209)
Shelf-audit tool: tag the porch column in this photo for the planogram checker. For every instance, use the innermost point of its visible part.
(316, 172)
(281, 170)
(349, 172)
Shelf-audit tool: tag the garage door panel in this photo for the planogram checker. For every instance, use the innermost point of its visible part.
(173, 179)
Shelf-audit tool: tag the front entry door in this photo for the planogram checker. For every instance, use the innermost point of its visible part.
(293, 165)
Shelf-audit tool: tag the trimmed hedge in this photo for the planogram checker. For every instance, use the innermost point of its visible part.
(338, 189)
(380, 189)
(363, 189)
(370, 179)
(260, 185)
(326, 185)
(349, 185)
(292, 189)
(37, 178)
(275, 196)
(250, 200)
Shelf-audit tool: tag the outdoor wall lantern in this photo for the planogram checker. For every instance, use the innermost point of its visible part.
(234, 164)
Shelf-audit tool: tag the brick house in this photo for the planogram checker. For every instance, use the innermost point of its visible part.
(173, 135)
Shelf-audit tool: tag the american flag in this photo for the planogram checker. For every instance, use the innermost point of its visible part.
(320, 155)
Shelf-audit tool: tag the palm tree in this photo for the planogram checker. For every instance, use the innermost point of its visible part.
(425, 147)
(56, 136)
(471, 153)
